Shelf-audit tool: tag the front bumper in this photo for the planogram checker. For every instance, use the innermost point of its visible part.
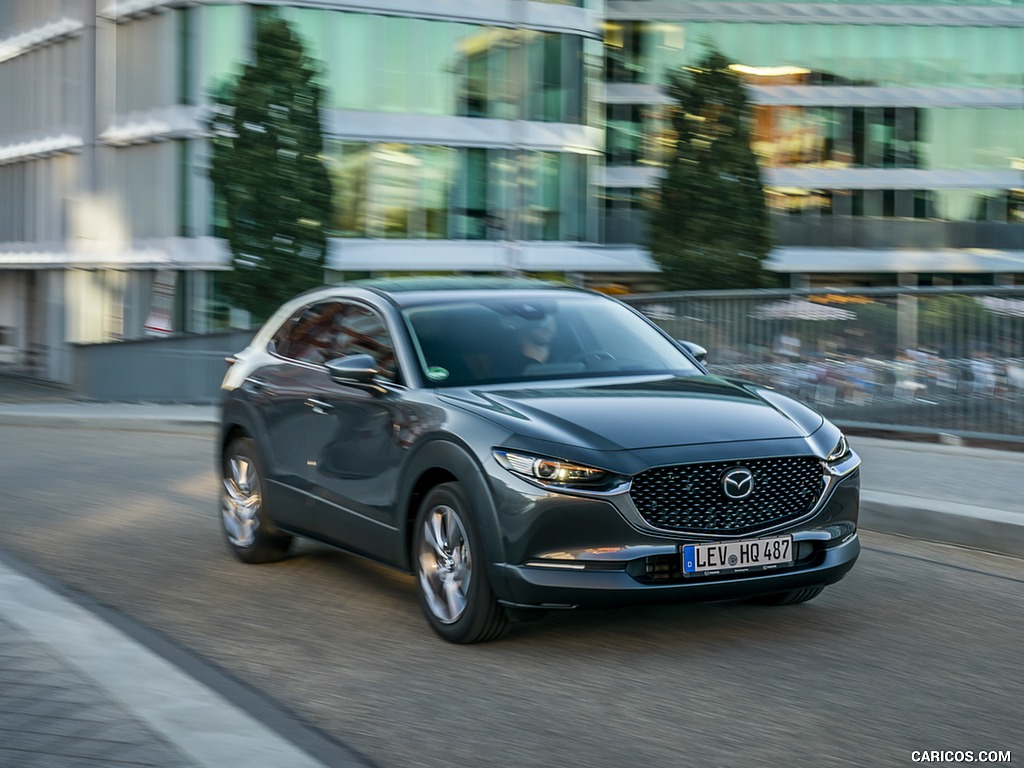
(601, 586)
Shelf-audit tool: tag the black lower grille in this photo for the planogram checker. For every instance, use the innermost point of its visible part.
(689, 498)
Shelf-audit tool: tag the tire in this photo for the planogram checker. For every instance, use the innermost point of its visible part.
(247, 529)
(451, 574)
(792, 597)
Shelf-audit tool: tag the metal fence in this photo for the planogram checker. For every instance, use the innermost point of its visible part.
(943, 360)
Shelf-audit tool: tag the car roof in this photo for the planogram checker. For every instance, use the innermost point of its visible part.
(408, 291)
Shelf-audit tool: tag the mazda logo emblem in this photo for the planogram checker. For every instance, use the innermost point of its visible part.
(738, 483)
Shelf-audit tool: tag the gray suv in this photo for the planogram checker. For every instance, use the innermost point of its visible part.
(521, 447)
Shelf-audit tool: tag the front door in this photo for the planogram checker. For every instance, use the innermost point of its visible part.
(354, 448)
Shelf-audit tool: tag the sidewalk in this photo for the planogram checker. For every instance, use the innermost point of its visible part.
(77, 693)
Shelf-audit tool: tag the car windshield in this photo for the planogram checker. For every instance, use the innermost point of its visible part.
(497, 339)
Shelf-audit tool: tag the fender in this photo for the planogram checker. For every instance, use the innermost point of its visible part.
(442, 453)
(239, 413)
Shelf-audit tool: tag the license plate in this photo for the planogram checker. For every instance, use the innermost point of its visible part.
(732, 556)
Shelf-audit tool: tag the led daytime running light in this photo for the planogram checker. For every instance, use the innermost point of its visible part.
(841, 451)
(551, 470)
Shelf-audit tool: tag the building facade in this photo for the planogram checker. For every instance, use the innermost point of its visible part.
(495, 136)
(890, 134)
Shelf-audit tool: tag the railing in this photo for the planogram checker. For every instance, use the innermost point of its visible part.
(942, 360)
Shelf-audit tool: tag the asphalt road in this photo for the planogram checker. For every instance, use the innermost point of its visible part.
(918, 649)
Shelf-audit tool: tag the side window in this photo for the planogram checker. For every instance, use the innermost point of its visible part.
(308, 336)
(328, 330)
(362, 331)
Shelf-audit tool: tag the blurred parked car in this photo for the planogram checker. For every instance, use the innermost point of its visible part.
(522, 447)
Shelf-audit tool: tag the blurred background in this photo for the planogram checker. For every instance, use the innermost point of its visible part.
(498, 136)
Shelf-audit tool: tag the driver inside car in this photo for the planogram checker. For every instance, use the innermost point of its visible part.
(535, 341)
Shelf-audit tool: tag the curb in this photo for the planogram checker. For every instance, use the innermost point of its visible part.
(197, 424)
(946, 522)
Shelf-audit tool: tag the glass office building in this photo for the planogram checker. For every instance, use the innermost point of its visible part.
(890, 134)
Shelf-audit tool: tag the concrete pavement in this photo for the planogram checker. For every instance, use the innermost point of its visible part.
(76, 692)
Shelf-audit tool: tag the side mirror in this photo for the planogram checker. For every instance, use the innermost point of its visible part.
(354, 371)
(696, 350)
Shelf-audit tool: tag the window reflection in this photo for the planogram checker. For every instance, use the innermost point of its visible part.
(419, 66)
(623, 215)
(825, 54)
(225, 50)
(390, 65)
(431, 209)
(840, 137)
(387, 189)
(886, 137)
(347, 62)
(911, 218)
(392, 188)
(348, 163)
(637, 134)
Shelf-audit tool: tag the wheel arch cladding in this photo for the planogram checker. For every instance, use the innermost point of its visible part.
(440, 461)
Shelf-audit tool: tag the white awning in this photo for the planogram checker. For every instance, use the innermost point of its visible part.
(173, 253)
(485, 256)
(894, 260)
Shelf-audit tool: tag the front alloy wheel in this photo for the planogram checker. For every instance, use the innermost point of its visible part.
(456, 597)
(446, 564)
(248, 531)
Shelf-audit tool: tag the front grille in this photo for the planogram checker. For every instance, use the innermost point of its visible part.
(689, 498)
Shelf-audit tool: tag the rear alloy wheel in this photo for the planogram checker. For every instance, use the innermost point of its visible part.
(792, 597)
(248, 531)
(454, 590)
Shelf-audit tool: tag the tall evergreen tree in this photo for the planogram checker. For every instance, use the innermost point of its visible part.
(268, 173)
(709, 227)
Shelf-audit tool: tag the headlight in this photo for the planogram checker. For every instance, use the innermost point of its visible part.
(840, 452)
(842, 460)
(555, 473)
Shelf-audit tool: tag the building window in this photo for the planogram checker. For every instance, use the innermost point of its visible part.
(419, 66)
(821, 54)
(879, 137)
(226, 46)
(436, 192)
(554, 66)
(430, 210)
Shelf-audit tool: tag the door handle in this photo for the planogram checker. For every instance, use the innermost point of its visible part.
(319, 406)
(257, 385)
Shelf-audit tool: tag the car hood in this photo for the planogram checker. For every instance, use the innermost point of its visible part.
(642, 413)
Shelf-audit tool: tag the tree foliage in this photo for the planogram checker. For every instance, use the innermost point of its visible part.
(709, 227)
(269, 175)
